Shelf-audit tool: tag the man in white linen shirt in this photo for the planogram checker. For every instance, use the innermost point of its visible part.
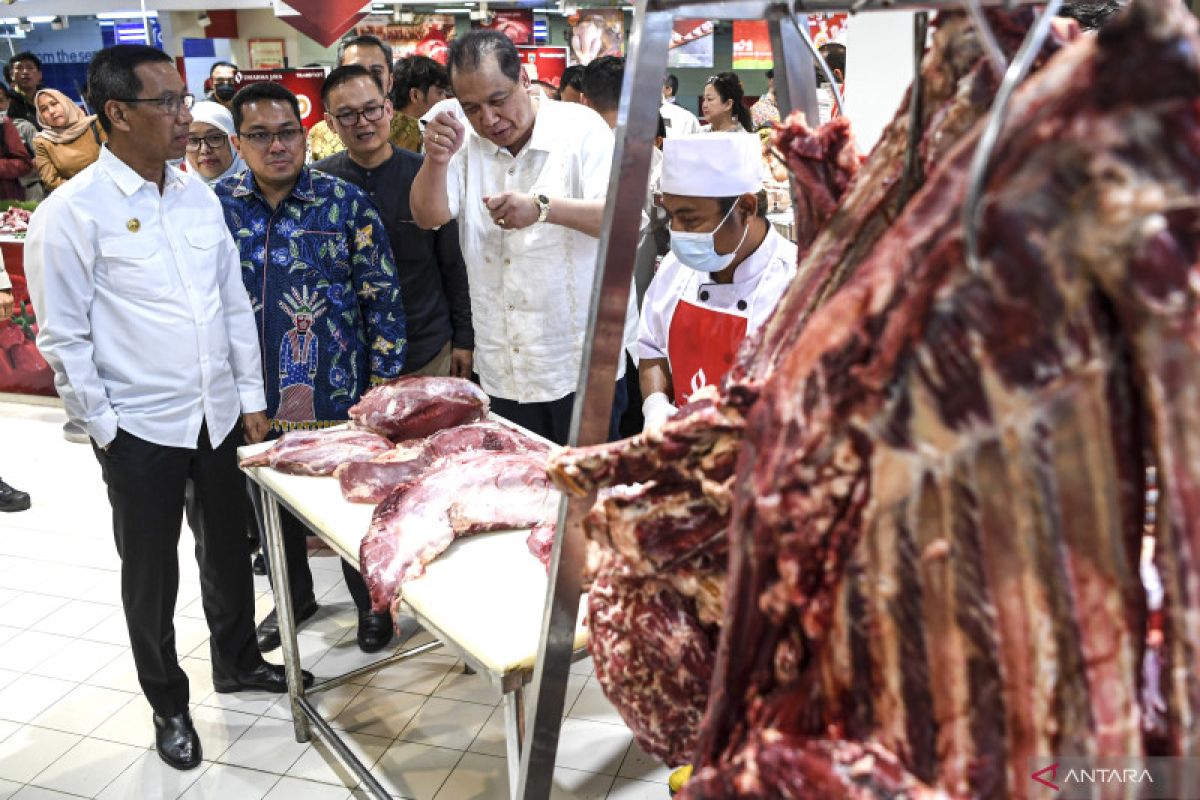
(144, 318)
(677, 119)
(527, 181)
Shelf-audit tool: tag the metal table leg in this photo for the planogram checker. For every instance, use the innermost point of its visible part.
(514, 734)
(283, 607)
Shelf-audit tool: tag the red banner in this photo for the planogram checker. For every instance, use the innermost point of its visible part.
(22, 368)
(751, 44)
(515, 23)
(544, 63)
(427, 35)
(304, 83)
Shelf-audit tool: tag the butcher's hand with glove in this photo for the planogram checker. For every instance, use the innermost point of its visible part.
(657, 409)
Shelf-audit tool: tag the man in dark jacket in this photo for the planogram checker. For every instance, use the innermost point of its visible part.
(27, 82)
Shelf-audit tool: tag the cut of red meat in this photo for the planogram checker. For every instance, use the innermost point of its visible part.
(414, 407)
(319, 452)
(459, 495)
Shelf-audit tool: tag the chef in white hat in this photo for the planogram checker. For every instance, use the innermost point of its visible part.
(726, 270)
(210, 152)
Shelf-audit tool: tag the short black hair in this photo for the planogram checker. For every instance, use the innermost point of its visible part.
(417, 72)
(835, 56)
(25, 55)
(364, 40)
(725, 204)
(467, 53)
(263, 90)
(771, 74)
(602, 79)
(1090, 14)
(342, 75)
(672, 83)
(572, 78)
(111, 76)
(213, 68)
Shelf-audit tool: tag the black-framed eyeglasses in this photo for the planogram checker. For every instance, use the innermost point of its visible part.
(262, 139)
(215, 141)
(370, 114)
(169, 104)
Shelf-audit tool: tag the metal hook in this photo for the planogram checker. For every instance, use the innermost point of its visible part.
(1016, 73)
(819, 59)
(987, 37)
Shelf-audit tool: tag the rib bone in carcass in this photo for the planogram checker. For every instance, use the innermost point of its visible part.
(937, 520)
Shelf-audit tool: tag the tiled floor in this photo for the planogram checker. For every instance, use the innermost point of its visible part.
(73, 723)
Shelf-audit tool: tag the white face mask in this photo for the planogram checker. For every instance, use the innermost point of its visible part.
(699, 251)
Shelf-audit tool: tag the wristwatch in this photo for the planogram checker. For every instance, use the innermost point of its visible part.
(543, 204)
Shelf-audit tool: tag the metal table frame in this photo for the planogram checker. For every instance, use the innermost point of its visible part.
(645, 67)
(307, 718)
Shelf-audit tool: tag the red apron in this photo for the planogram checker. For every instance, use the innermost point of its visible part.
(701, 346)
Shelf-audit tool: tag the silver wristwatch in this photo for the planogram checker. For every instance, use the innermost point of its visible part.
(543, 204)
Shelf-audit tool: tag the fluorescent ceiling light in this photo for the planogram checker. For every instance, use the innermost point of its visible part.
(450, 11)
(127, 15)
(41, 20)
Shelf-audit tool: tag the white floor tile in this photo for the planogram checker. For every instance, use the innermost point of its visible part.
(26, 610)
(199, 672)
(29, 648)
(318, 763)
(112, 629)
(190, 634)
(79, 661)
(8, 789)
(378, 712)
(30, 695)
(269, 745)
(642, 766)
(421, 675)
(218, 728)
(594, 706)
(76, 617)
(629, 789)
(30, 750)
(7, 676)
(8, 728)
(329, 702)
(148, 778)
(131, 724)
(295, 789)
(38, 793)
(415, 771)
(592, 746)
(120, 673)
(446, 723)
(227, 782)
(7, 633)
(480, 777)
(490, 740)
(469, 688)
(88, 766)
(83, 709)
(582, 667)
(342, 658)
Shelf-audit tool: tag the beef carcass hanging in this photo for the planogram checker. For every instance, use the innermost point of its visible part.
(467, 493)
(937, 523)
(372, 481)
(689, 463)
(414, 407)
(319, 452)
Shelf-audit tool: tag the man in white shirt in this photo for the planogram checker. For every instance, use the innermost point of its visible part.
(723, 277)
(677, 119)
(527, 180)
(137, 285)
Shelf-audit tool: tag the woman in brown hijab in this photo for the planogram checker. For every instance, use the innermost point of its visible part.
(68, 141)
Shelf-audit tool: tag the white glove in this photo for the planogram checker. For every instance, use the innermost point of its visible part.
(656, 409)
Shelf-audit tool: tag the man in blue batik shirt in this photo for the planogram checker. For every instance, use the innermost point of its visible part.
(326, 296)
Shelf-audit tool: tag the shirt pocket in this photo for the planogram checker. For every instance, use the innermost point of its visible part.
(204, 248)
(136, 267)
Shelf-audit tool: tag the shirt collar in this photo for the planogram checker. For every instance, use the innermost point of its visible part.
(302, 191)
(756, 263)
(129, 181)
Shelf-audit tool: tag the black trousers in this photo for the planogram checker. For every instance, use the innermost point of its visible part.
(552, 419)
(146, 487)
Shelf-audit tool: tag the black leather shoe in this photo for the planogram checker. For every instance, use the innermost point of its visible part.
(12, 499)
(374, 632)
(263, 678)
(268, 629)
(258, 565)
(176, 740)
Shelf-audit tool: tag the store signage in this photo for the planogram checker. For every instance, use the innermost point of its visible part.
(544, 63)
(324, 21)
(427, 35)
(596, 32)
(304, 83)
(751, 44)
(691, 44)
(515, 23)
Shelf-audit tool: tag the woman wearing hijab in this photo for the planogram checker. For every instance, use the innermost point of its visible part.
(69, 141)
(210, 152)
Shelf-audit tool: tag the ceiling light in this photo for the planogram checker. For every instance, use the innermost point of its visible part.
(59, 23)
(24, 24)
(203, 19)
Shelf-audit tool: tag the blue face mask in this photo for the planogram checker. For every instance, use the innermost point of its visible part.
(699, 251)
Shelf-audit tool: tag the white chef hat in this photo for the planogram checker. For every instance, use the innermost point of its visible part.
(712, 165)
(214, 114)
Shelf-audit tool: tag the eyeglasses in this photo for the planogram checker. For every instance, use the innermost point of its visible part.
(370, 114)
(263, 139)
(215, 141)
(169, 104)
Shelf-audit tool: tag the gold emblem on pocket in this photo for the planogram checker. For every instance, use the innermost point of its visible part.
(134, 225)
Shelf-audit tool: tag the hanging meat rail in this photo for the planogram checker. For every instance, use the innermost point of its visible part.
(795, 81)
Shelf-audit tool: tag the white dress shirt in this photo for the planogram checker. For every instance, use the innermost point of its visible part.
(678, 120)
(531, 288)
(758, 283)
(142, 310)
